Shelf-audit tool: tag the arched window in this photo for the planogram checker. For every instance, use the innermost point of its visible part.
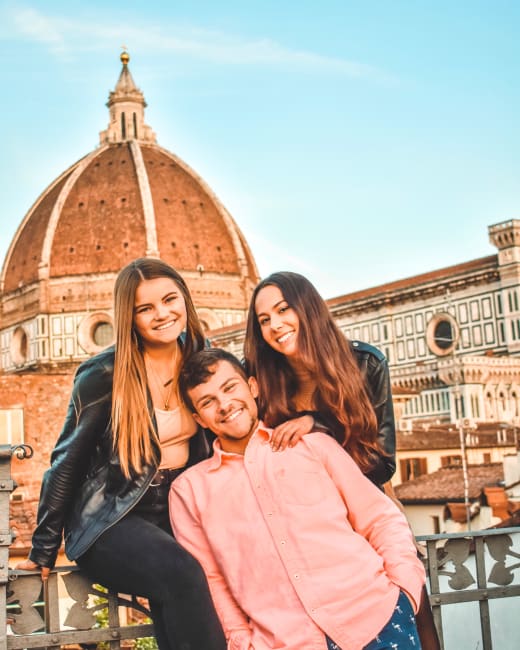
(489, 406)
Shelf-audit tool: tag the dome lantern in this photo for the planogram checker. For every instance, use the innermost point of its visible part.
(126, 106)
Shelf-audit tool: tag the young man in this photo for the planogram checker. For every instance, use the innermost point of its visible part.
(301, 551)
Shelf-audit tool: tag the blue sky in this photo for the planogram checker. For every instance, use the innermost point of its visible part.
(354, 142)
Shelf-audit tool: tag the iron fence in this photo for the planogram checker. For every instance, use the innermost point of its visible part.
(476, 569)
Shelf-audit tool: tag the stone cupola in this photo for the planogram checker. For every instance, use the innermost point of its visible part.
(128, 198)
(126, 106)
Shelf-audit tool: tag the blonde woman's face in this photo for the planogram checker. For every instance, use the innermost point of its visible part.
(159, 312)
(278, 321)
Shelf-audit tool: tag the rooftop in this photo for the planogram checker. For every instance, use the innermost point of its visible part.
(446, 484)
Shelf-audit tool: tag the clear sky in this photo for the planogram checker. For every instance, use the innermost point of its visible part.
(354, 142)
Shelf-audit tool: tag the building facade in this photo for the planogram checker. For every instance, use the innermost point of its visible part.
(451, 336)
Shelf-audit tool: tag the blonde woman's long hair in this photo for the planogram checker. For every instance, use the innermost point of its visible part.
(135, 438)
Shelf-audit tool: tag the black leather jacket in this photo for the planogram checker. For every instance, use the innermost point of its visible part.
(374, 367)
(84, 491)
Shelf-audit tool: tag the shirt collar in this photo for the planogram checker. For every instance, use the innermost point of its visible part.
(220, 456)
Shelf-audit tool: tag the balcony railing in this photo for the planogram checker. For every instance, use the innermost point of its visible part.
(474, 585)
(65, 609)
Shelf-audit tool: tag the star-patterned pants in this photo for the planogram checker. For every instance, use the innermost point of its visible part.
(400, 633)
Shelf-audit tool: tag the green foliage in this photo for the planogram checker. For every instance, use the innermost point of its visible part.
(101, 616)
(145, 643)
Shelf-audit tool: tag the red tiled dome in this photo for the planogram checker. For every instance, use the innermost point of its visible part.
(129, 198)
(92, 220)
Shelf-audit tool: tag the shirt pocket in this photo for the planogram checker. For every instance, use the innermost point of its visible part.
(303, 489)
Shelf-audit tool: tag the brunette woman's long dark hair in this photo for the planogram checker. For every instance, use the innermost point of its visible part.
(340, 396)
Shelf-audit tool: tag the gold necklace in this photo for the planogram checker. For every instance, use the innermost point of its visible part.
(160, 385)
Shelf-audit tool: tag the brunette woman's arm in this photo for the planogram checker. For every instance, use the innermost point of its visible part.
(374, 367)
(289, 432)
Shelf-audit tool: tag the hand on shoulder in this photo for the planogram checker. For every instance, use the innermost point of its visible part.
(288, 433)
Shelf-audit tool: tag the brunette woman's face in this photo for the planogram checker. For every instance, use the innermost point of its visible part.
(159, 312)
(278, 321)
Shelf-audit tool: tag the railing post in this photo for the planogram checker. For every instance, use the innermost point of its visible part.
(485, 623)
(7, 485)
(433, 577)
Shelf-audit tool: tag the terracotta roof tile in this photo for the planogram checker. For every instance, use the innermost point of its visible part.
(446, 484)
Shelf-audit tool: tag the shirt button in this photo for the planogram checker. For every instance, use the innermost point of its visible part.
(269, 514)
(282, 542)
(296, 576)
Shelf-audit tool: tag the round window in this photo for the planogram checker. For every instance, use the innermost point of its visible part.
(103, 334)
(209, 320)
(19, 346)
(442, 334)
(96, 332)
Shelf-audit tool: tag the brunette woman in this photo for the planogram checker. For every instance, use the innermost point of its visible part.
(310, 377)
(126, 436)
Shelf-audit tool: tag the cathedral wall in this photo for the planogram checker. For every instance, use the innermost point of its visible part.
(32, 410)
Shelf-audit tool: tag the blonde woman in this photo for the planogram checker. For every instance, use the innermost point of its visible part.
(126, 436)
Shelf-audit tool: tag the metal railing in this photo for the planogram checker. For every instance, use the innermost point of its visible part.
(477, 569)
(30, 612)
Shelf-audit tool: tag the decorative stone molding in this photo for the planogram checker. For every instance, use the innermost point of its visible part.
(87, 332)
(19, 346)
(442, 334)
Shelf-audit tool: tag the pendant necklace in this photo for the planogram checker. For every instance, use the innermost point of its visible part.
(160, 384)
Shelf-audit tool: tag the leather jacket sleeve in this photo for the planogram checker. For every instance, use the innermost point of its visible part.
(374, 368)
(87, 420)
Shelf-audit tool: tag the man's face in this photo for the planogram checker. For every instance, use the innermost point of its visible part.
(226, 405)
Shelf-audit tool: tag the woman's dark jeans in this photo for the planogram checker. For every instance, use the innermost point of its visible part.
(138, 555)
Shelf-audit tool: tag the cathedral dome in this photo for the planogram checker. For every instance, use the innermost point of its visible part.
(128, 198)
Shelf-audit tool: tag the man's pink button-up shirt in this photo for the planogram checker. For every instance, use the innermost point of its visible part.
(295, 545)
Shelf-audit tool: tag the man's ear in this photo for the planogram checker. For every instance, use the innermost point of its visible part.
(197, 419)
(253, 386)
